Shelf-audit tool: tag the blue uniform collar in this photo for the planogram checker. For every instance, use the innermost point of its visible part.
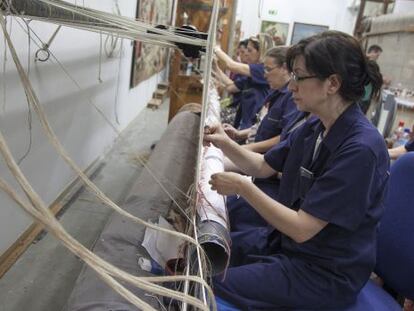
(284, 89)
(341, 127)
(276, 93)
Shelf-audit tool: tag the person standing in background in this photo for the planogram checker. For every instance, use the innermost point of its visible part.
(374, 52)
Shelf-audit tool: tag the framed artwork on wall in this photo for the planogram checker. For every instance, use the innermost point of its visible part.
(278, 31)
(149, 59)
(301, 30)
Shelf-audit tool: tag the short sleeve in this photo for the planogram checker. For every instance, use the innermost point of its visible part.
(346, 189)
(257, 74)
(277, 156)
(410, 146)
(240, 82)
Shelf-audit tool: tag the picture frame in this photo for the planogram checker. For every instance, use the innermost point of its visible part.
(149, 59)
(276, 30)
(302, 30)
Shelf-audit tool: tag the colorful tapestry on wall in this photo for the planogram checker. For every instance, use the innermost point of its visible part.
(277, 31)
(149, 59)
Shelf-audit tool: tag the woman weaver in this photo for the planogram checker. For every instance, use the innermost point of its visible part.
(280, 109)
(253, 85)
(335, 170)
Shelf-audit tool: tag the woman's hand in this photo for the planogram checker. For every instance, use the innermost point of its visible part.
(227, 183)
(217, 48)
(215, 135)
(231, 131)
(408, 305)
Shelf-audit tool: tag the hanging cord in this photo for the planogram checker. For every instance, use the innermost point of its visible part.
(15, 169)
(114, 128)
(260, 9)
(206, 77)
(118, 82)
(52, 137)
(111, 41)
(43, 54)
(100, 59)
(29, 109)
(5, 66)
(110, 23)
(105, 270)
(35, 101)
(157, 180)
(55, 142)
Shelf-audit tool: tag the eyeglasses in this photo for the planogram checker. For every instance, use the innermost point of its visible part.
(296, 78)
(269, 69)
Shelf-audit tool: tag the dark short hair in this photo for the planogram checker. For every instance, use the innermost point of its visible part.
(255, 42)
(334, 52)
(278, 54)
(243, 43)
(374, 48)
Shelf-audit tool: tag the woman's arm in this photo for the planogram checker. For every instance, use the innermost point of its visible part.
(229, 166)
(298, 225)
(397, 152)
(232, 65)
(224, 79)
(263, 146)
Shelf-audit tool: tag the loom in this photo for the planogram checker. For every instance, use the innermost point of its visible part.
(209, 221)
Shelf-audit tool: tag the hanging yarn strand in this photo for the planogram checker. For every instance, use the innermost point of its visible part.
(121, 27)
(42, 214)
(55, 142)
(29, 30)
(94, 20)
(205, 101)
(100, 58)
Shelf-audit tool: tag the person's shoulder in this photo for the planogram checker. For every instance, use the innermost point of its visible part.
(366, 139)
(258, 66)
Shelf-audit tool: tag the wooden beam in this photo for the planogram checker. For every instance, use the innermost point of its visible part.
(381, 1)
(11, 255)
(385, 6)
(378, 33)
(359, 18)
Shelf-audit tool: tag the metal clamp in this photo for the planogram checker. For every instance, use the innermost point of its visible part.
(43, 54)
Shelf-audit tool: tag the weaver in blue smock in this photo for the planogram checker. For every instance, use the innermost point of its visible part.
(281, 108)
(254, 89)
(397, 152)
(338, 169)
(249, 230)
(228, 82)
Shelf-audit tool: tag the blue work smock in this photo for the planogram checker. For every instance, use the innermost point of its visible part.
(249, 231)
(343, 185)
(239, 79)
(254, 90)
(281, 107)
(281, 110)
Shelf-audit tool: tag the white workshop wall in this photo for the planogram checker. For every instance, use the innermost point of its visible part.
(82, 131)
(403, 6)
(337, 14)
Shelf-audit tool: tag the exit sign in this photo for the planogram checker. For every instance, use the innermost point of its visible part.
(272, 12)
